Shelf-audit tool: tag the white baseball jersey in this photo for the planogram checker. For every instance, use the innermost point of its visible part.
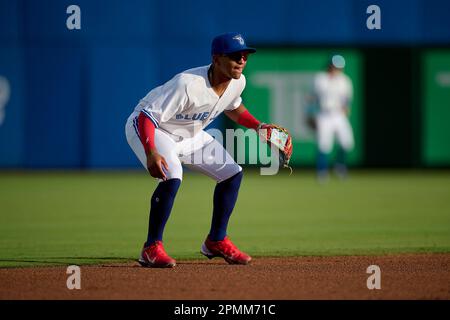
(186, 104)
(334, 93)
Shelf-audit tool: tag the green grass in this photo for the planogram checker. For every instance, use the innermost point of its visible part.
(95, 217)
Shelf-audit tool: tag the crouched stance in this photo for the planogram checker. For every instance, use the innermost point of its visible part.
(166, 132)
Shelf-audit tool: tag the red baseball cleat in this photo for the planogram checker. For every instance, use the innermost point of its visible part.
(225, 249)
(155, 256)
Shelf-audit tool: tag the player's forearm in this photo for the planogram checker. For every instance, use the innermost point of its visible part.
(247, 120)
(146, 133)
(243, 117)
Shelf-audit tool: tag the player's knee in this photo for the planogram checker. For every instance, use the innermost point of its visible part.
(174, 182)
(175, 169)
(325, 150)
(168, 188)
(235, 179)
(347, 146)
(228, 172)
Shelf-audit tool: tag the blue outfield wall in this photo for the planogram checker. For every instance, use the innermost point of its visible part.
(117, 78)
(72, 90)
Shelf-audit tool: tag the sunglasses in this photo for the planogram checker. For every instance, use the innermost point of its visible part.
(237, 56)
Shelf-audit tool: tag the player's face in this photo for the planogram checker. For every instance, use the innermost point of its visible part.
(334, 71)
(232, 65)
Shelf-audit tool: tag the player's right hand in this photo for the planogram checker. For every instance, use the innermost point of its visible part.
(157, 165)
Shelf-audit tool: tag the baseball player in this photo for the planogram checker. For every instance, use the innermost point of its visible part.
(333, 90)
(165, 131)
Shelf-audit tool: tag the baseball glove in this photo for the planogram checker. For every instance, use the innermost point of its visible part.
(279, 138)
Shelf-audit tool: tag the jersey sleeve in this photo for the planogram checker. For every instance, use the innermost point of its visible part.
(235, 104)
(162, 103)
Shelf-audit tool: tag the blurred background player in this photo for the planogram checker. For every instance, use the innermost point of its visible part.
(333, 91)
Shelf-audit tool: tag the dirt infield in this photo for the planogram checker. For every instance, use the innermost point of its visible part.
(418, 276)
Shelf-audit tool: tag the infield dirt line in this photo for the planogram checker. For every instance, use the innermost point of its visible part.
(407, 276)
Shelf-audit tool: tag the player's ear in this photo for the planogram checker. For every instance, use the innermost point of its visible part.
(215, 59)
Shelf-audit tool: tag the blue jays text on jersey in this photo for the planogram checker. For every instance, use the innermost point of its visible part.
(201, 116)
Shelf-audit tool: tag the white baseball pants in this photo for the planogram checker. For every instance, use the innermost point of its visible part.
(200, 153)
(330, 125)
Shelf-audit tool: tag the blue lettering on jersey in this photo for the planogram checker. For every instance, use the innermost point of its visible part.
(196, 116)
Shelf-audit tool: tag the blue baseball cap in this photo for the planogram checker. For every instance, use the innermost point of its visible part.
(228, 43)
